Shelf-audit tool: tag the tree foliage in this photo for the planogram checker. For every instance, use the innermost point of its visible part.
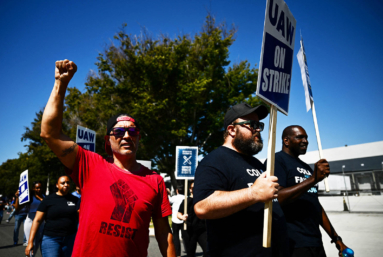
(39, 160)
(178, 89)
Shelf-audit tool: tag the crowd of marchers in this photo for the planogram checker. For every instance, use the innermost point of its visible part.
(225, 208)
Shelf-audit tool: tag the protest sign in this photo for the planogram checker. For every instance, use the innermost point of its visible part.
(274, 80)
(24, 195)
(147, 164)
(275, 67)
(186, 165)
(86, 138)
(310, 100)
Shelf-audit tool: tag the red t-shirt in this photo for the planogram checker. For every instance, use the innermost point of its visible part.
(116, 207)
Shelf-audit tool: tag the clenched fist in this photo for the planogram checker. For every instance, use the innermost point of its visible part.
(321, 170)
(65, 70)
(265, 188)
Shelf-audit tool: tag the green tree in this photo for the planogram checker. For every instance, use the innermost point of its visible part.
(39, 160)
(178, 89)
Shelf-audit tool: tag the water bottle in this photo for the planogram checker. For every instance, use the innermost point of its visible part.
(348, 252)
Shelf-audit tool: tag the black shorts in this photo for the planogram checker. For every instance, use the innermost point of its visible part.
(309, 252)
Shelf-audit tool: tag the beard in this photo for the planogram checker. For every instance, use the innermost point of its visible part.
(248, 146)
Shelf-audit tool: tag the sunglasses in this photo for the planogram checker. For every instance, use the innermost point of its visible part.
(253, 124)
(120, 132)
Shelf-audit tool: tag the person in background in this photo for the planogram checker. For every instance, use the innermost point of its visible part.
(195, 227)
(20, 217)
(13, 210)
(77, 192)
(2, 206)
(60, 214)
(177, 224)
(36, 198)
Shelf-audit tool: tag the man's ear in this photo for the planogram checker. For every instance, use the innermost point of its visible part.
(286, 141)
(231, 130)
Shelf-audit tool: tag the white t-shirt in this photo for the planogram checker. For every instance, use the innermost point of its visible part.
(176, 201)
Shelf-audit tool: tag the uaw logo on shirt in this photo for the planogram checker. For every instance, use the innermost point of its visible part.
(71, 203)
(124, 199)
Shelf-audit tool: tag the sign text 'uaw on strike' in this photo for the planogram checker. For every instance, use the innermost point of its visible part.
(274, 79)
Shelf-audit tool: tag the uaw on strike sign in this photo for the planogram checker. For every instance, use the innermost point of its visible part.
(274, 76)
(186, 161)
(86, 138)
(24, 195)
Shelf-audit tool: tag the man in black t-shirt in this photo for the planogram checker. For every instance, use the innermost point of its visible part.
(231, 188)
(298, 196)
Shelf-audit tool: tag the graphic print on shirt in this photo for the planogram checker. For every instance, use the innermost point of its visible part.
(124, 198)
(306, 174)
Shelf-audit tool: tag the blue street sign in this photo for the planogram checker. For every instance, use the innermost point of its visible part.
(186, 161)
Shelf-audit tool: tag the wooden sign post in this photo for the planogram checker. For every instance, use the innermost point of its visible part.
(267, 219)
(186, 165)
(319, 143)
(274, 80)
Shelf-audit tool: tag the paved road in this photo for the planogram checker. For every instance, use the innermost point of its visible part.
(362, 232)
(8, 250)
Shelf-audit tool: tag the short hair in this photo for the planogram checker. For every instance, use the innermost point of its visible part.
(36, 182)
(288, 131)
(180, 189)
(57, 181)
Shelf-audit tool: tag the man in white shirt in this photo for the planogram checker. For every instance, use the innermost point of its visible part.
(177, 224)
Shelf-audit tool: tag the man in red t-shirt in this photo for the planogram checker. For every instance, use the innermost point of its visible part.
(119, 196)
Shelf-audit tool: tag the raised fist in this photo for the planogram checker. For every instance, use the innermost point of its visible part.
(65, 70)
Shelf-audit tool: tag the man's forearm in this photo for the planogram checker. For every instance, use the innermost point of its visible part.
(52, 118)
(289, 194)
(224, 203)
(165, 244)
(326, 224)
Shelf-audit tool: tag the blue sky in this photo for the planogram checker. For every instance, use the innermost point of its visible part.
(343, 43)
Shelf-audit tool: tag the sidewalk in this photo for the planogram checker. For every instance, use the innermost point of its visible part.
(362, 232)
(358, 204)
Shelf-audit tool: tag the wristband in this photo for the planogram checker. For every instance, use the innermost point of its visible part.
(336, 238)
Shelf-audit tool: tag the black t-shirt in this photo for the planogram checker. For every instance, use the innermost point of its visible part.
(241, 233)
(60, 214)
(193, 222)
(304, 215)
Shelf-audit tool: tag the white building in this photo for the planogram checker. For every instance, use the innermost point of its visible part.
(362, 165)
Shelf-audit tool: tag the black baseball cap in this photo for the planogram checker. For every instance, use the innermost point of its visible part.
(243, 109)
(113, 121)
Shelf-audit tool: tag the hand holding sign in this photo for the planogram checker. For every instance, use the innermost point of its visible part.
(65, 70)
(265, 188)
(321, 170)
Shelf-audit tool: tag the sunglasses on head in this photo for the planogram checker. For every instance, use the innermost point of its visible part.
(120, 132)
(253, 124)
